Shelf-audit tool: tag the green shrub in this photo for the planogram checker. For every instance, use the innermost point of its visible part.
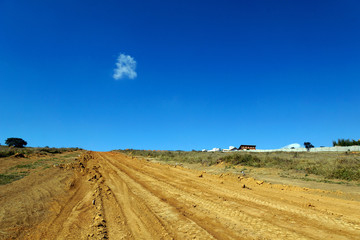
(7, 153)
(240, 159)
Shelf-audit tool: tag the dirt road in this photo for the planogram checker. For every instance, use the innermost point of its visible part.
(120, 197)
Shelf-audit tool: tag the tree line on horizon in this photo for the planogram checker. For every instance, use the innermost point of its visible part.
(345, 142)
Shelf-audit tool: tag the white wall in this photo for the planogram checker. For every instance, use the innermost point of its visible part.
(322, 149)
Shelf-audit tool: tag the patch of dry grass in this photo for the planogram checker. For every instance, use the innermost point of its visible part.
(13, 168)
(331, 165)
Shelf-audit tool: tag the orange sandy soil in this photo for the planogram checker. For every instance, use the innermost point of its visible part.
(112, 196)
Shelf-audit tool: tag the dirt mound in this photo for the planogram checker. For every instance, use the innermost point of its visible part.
(19, 155)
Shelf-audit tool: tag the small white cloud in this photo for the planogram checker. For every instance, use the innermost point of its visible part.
(125, 67)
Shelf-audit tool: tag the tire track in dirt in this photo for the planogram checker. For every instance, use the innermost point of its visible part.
(306, 218)
(269, 199)
(173, 223)
(79, 214)
(216, 216)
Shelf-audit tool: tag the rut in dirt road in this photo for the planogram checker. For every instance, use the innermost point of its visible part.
(122, 197)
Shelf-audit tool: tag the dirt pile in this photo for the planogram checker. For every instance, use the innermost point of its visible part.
(19, 155)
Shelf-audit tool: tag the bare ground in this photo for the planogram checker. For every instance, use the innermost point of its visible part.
(110, 195)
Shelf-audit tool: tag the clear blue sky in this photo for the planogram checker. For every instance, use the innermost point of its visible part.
(209, 73)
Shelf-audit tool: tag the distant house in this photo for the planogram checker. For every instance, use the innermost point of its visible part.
(231, 149)
(247, 147)
(215, 150)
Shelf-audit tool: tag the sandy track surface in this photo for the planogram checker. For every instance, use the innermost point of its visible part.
(120, 197)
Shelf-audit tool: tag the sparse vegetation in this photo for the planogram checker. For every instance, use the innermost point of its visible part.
(30, 166)
(15, 167)
(344, 166)
(9, 151)
(177, 156)
(6, 152)
(8, 178)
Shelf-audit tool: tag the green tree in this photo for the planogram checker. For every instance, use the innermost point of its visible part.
(308, 145)
(346, 142)
(16, 142)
